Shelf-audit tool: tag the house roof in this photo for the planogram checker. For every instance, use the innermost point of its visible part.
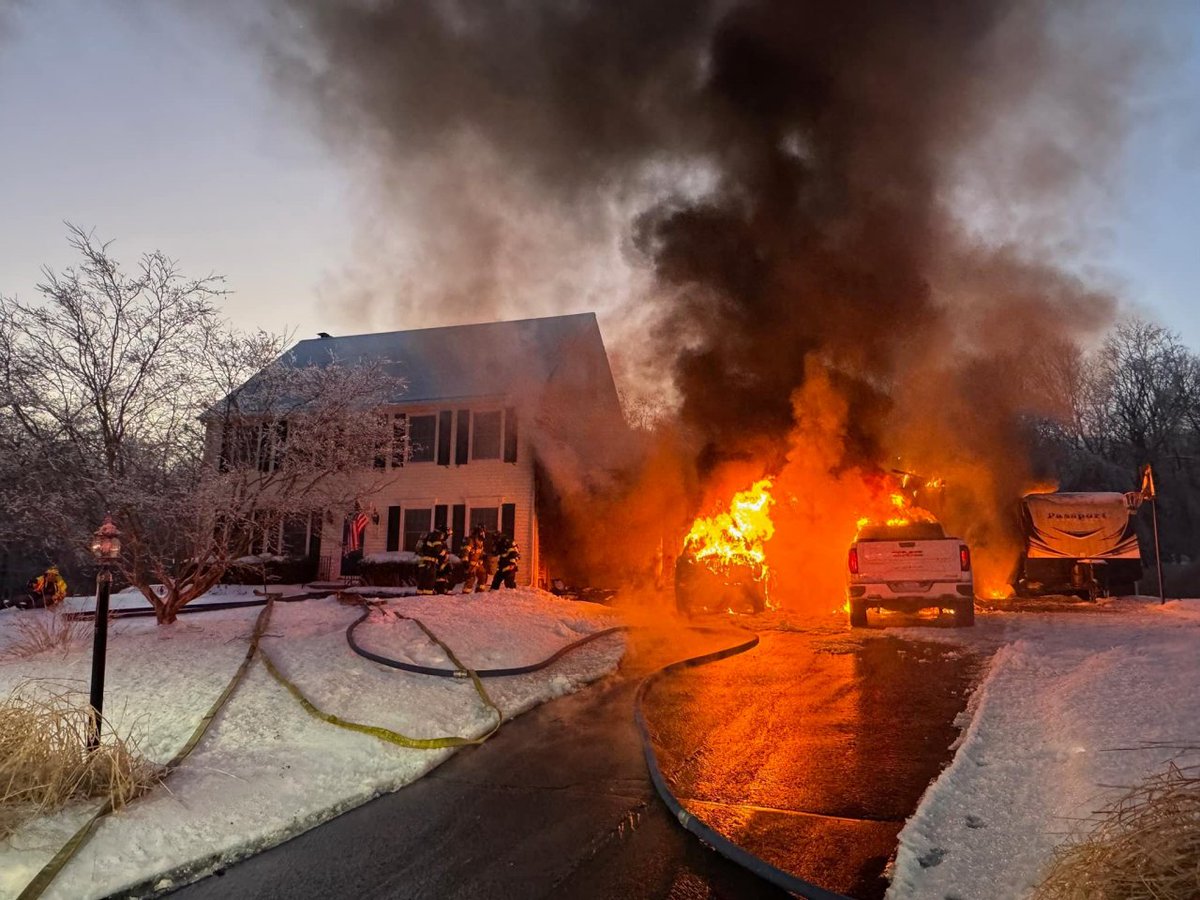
(483, 360)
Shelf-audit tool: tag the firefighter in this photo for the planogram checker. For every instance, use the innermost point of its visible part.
(48, 589)
(431, 549)
(506, 565)
(444, 569)
(474, 557)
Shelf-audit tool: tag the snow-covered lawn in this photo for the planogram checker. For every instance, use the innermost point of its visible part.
(1073, 707)
(267, 770)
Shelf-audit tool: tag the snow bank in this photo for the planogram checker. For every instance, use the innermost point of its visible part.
(1073, 707)
(267, 770)
(391, 556)
(131, 597)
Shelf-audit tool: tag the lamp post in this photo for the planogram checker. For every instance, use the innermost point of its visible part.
(106, 547)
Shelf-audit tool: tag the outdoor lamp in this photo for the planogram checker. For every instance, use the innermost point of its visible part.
(106, 547)
(106, 542)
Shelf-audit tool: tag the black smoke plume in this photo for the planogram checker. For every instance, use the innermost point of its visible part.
(882, 190)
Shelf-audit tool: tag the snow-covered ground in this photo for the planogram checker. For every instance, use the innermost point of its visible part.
(1073, 707)
(267, 770)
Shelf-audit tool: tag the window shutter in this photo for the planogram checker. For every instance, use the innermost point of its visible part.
(399, 440)
(439, 516)
(445, 420)
(458, 521)
(393, 532)
(510, 434)
(462, 446)
(508, 519)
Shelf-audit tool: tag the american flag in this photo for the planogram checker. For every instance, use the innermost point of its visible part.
(358, 525)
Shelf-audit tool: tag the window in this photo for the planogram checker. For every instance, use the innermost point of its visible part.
(422, 438)
(417, 522)
(485, 435)
(266, 533)
(489, 518)
(295, 537)
(245, 445)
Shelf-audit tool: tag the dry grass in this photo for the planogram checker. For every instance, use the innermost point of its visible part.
(45, 764)
(36, 634)
(1146, 844)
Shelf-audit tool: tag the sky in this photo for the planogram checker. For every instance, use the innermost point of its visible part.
(160, 130)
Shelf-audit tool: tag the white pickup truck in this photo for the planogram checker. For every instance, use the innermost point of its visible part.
(907, 568)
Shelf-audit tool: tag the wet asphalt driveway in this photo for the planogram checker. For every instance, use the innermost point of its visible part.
(810, 750)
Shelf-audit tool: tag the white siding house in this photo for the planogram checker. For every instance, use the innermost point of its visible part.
(480, 403)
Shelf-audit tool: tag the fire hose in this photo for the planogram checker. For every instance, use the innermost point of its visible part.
(734, 853)
(50, 870)
(691, 823)
(460, 671)
(42, 880)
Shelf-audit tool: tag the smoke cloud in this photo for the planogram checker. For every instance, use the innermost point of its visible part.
(835, 237)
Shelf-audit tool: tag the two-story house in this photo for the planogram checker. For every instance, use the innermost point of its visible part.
(481, 404)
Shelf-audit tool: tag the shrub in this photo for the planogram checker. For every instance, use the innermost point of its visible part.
(38, 632)
(384, 571)
(45, 762)
(279, 570)
(1144, 844)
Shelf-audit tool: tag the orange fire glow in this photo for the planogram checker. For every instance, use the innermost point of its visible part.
(897, 508)
(736, 537)
(798, 524)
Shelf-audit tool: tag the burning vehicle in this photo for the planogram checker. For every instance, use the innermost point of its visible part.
(723, 565)
(907, 563)
(1078, 543)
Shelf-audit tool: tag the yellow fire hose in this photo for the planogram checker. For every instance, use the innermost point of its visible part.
(50, 870)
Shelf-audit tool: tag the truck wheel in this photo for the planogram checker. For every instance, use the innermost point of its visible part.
(858, 614)
(755, 593)
(964, 613)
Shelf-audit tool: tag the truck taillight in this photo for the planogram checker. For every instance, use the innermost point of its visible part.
(964, 557)
(853, 560)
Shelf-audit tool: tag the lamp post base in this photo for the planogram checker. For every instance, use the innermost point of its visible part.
(99, 652)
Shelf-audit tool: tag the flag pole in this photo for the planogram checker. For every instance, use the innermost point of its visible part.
(1162, 594)
(1150, 492)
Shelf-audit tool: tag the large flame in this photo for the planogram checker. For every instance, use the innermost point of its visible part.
(736, 537)
(895, 506)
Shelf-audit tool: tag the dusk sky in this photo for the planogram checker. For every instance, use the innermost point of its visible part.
(161, 129)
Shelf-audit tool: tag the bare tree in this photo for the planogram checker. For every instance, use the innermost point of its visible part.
(127, 394)
(1133, 400)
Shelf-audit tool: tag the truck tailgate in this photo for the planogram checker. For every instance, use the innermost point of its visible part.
(909, 560)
